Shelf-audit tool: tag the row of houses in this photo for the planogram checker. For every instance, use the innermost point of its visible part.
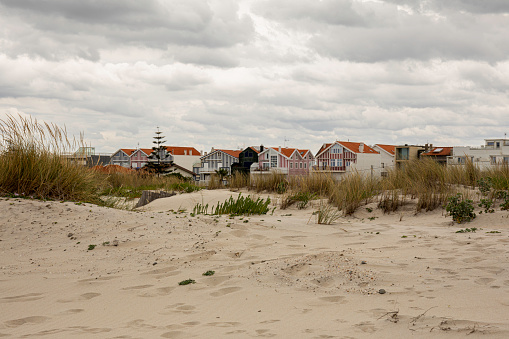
(336, 158)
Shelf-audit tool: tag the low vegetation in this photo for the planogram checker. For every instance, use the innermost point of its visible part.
(240, 206)
(35, 162)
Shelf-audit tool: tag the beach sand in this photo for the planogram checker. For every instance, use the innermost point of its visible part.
(279, 275)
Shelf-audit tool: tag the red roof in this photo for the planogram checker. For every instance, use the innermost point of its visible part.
(443, 151)
(388, 148)
(355, 147)
(177, 150)
(233, 153)
(128, 151)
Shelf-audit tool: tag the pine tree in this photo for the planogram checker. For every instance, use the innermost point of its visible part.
(159, 153)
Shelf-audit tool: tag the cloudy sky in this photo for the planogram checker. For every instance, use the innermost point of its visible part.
(228, 74)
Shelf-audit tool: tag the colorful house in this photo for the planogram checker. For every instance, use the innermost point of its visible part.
(215, 160)
(289, 161)
(341, 157)
(122, 157)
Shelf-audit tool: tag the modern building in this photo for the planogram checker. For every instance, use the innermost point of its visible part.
(494, 152)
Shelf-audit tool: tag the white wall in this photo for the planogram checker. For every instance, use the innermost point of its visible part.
(186, 161)
(364, 163)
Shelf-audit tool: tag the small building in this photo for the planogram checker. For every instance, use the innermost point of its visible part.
(342, 157)
(387, 155)
(122, 157)
(217, 159)
(247, 158)
(494, 152)
(140, 157)
(439, 154)
(406, 153)
(288, 161)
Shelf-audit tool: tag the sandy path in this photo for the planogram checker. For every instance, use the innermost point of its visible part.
(277, 275)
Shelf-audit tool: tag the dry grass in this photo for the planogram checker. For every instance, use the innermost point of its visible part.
(33, 162)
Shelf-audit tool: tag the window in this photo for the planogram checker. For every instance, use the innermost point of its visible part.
(305, 165)
(273, 161)
(291, 165)
(493, 160)
(340, 162)
(506, 160)
(333, 163)
(383, 165)
(301, 165)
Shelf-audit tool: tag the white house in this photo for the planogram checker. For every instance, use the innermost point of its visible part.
(493, 152)
(387, 154)
(342, 157)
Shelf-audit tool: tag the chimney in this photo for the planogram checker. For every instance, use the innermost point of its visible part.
(361, 147)
(279, 149)
(261, 148)
(212, 150)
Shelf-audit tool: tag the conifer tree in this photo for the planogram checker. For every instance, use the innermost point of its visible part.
(159, 153)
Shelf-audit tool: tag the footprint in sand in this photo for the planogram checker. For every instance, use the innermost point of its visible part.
(483, 281)
(27, 320)
(139, 287)
(158, 292)
(99, 279)
(334, 299)
(174, 334)
(179, 307)
(85, 296)
(264, 333)
(366, 326)
(23, 297)
(224, 291)
(72, 311)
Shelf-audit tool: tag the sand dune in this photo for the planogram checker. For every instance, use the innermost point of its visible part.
(279, 275)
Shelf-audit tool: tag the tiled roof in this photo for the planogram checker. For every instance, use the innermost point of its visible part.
(443, 151)
(323, 148)
(177, 150)
(355, 147)
(233, 153)
(388, 148)
(128, 151)
(147, 151)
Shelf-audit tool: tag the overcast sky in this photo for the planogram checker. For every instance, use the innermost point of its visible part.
(228, 74)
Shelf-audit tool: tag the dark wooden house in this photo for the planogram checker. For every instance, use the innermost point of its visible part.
(246, 158)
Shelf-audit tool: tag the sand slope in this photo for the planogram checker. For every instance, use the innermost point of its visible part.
(278, 275)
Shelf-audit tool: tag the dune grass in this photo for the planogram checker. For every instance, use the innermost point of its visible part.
(33, 162)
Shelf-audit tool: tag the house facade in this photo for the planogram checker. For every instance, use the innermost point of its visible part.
(387, 155)
(342, 157)
(288, 161)
(139, 157)
(122, 157)
(438, 154)
(406, 153)
(215, 160)
(183, 156)
(247, 158)
(494, 152)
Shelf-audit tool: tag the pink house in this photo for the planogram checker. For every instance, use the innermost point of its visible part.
(290, 161)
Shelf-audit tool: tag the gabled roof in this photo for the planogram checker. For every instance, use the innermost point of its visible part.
(233, 153)
(180, 168)
(391, 149)
(351, 146)
(288, 152)
(355, 147)
(127, 151)
(253, 148)
(178, 150)
(147, 151)
(442, 151)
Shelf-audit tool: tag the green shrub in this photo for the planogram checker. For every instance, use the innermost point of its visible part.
(460, 209)
(240, 206)
(486, 204)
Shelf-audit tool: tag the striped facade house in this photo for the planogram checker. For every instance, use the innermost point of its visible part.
(122, 157)
(215, 160)
(289, 161)
(342, 157)
(139, 158)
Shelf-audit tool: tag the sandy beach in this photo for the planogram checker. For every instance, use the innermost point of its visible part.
(279, 275)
